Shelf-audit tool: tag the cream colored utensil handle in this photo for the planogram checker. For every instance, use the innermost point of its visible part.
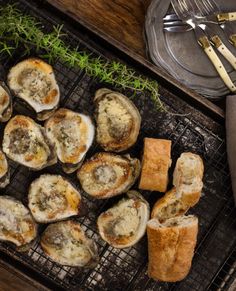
(231, 16)
(232, 39)
(222, 48)
(208, 49)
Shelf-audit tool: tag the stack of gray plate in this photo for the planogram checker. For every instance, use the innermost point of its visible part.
(180, 54)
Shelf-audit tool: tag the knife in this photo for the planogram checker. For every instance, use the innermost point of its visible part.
(208, 49)
(229, 31)
(215, 18)
(218, 43)
(173, 23)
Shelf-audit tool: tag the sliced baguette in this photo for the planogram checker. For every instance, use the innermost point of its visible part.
(187, 177)
(171, 247)
(155, 164)
(170, 206)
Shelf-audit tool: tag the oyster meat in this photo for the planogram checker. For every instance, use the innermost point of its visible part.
(5, 103)
(52, 198)
(4, 171)
(66, 243)
(26, 143)
(33, 81)
(106, 175)
(124, 224)
(118, 121)
(73, 134)
(16, 223)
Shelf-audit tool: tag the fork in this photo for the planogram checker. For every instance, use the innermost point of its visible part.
(172, 23)
(202, 8)
(210, 7)
(185, 11)
(207, 8)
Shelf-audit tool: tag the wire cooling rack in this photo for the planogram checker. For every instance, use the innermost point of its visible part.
(214, 263)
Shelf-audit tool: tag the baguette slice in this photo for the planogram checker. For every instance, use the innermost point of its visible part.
(187, 177)
(155, 165)
(170, 206)
(171, 247)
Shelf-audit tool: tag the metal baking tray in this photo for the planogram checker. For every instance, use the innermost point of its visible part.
(214, 263)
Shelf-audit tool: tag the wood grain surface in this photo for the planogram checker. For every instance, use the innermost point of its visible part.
(121, 19)
(10, 282)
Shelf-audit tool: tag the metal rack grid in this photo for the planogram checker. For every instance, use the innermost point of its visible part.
(126, 269)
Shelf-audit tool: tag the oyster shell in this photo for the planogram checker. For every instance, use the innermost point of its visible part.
(106, 175)
(4, 171)
(66, 243)
(52, 198)
(124, 224)
(33, 81)
(118, 120)
(5, 103)
(73, 134)
(16, 223)
(25, 142)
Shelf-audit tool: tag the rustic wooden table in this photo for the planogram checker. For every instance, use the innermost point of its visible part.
(10, 282)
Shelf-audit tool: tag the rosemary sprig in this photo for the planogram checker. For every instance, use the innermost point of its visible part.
(18, 29)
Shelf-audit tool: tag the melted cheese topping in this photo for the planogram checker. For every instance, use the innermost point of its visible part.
(125, 223)
(126, 220)
(73, 135)
(114, 121)
(66, 243)
(103, 177)
(33, 80)
(26, 146)
(53, 198)
(16, 224)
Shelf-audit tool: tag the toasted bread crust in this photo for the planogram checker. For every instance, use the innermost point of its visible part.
(170, 251)
(193, 174)
(155, 164)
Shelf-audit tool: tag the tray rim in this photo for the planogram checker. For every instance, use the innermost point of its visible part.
(212, 110)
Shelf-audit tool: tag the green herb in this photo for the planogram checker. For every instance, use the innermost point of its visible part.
(17, 29)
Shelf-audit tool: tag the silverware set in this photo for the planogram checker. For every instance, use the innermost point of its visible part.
(202, 16)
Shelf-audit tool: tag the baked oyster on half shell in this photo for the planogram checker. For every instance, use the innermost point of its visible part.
(73, 134)
(53, 198)
(4, 171)
(124, 224)
(16, 223)
(66, 243)
(106, 175)
(5, 103)
(26, 143)
(33, 81)
(118, 120)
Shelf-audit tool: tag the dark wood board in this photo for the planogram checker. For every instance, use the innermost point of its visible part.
(119, 18)
(12, 280)
(9, 282)
(120, 23)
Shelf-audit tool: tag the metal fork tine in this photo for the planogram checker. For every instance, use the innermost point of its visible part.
(211, 6)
